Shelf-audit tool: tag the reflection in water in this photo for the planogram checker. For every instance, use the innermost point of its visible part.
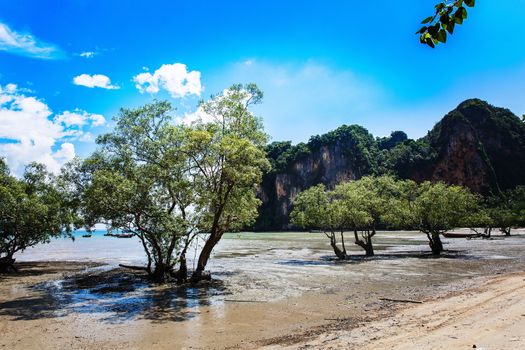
(120, 295)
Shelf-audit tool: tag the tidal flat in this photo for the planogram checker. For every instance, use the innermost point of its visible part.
(269, 290)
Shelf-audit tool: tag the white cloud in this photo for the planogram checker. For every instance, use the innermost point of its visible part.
(66, 152)
(95, 80)
(79, 118)
(87, 54)
(97, 119)
(174, 78)
(26, 44)
(29, 133)
(198, 116)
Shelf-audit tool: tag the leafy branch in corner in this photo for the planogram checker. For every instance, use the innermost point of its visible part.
(437, 27)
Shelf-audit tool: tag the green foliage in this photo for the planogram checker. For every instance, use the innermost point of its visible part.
(504, 211)
(395, 138)
(324, 210)
(282, 154)
(229, 160)
(33, 209)
(439, 207)
(372, 202)
(228, 153)
(319, 209)
(357, 143)
(138, 182)
(166, 182)
(407, 156)
(448, 14)
(361, 205)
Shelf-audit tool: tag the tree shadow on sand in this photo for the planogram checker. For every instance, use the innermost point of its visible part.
(39, 268)
(114, 296)
(327, 260)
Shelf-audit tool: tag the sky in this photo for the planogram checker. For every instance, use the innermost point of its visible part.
(67, 67)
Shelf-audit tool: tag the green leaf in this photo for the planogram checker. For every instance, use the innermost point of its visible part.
(422, 30)
(427, 20)
(433, 30)
(442, 36)
(462, 12)
(470, 3)
(430, 43)
(458, 17)
(450, 27)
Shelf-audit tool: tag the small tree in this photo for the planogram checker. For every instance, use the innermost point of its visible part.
(508, 210)
(369, 202)
(320, 209)
(33, 209)
(439, 208)
(482, 221)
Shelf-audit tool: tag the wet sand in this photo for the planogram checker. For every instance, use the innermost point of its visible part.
(270, 293)
(490, 316)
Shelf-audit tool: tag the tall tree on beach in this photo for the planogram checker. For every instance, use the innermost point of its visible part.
(138, 181)
(168, 184)
(229, 160)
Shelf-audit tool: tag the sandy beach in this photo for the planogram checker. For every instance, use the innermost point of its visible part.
(275, 299)
(488, 316)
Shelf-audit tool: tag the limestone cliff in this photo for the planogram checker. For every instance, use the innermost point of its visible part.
(478, 146)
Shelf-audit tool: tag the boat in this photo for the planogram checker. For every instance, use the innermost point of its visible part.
(108, 234)
(123, 235)
(460, 235)
(87, 235)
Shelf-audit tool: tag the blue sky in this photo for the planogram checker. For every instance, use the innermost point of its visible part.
(320, 64)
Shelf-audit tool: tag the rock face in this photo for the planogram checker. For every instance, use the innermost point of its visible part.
(476, 145)
(328, 165)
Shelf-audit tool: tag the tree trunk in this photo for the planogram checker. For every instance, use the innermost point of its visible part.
(337, 251)
(161, 273)
(182, 274)
(505, 230)
(435, 243)
(204, 256)
(343, 243)
(366, 244)
(369, 248)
